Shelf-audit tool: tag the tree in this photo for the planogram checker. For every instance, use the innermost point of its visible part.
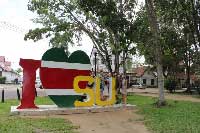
(18, 71)
(105, 22)
(152, 17)
(178, 36)
(112, 17)
(184, 16)
(169, 43)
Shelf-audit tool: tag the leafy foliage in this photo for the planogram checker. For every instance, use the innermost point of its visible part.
(179, 35)
(107, 23)
(170, 84)
(2, 80)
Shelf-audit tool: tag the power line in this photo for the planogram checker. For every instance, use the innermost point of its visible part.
(12, 27)
(6, 25)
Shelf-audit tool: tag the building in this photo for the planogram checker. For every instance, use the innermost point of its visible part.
(6, 71)
(145, 76)
(100, 64)
(182, 79)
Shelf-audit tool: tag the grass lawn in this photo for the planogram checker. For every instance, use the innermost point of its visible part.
(17, 124)
(177, 117)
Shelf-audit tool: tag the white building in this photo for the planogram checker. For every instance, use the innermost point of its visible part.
(100, 64)
(6, 71)
(145, 76)
(10, 75)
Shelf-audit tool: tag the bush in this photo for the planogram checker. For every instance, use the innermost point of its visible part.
(197, 82)
(170, 84)
(2, 80)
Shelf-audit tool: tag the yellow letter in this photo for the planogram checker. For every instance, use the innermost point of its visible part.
(87, 90)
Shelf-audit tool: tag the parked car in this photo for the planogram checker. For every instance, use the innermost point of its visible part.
(38, 83)
(137, 85)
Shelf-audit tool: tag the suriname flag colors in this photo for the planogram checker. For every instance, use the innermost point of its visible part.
(57, 74)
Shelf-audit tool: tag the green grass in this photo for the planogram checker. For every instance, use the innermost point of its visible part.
(12, 124)
(5, 107)
(176, 117)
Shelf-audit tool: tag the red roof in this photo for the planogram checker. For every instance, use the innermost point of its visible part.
(7, 68)
(139, 71)
(184, 76)
(7, 63)
(2, 58)
(194, 77)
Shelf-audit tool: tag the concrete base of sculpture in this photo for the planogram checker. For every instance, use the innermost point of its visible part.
(54, 110)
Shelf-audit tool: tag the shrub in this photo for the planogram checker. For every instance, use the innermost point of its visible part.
(2, 80)
(170, 84)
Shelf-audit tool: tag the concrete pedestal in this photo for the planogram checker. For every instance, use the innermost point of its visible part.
(54, 110)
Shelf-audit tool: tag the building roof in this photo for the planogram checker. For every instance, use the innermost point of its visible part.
(184, 76)
(7, 63)
(6, 68)
(2, 58)
(139, 71)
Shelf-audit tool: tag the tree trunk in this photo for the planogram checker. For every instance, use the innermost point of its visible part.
(188, 74)
(188, 79)
(158, 49)
(117, 62)
(124, 63)
(195, 20)
(161, 100)
(108, 64)
(187, 60)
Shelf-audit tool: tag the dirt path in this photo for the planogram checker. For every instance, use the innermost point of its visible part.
(154, 93)
(124, 121)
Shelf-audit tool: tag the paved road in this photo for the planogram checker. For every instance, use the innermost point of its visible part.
(11, 91)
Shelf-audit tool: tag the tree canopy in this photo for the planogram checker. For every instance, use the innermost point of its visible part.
(107, 23)
(179, 35)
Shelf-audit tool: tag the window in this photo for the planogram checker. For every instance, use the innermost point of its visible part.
(144, 81)
(152, 81)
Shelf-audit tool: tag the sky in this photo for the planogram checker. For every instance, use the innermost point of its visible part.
(12, 44)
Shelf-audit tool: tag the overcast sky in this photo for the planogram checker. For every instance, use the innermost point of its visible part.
(12, 44)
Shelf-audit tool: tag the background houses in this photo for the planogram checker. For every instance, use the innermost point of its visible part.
(100, 64)
(137, 73)
(7, 72)
(144, 75)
